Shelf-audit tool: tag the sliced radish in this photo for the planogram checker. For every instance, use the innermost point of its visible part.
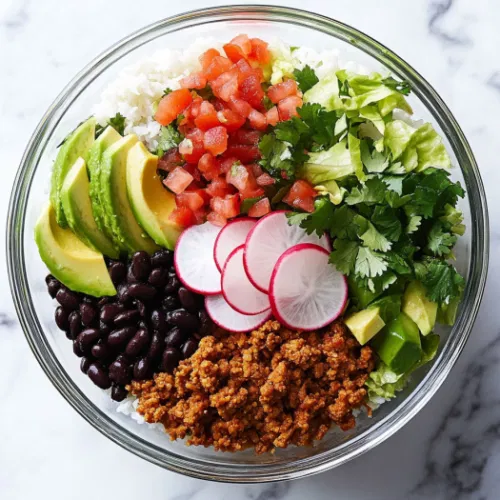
(307, 292)
(223, 315)
(266, 242)
(232, 236)
(194, 259)
(237, 289)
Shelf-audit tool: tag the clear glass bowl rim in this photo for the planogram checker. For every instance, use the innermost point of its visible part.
(237, 472)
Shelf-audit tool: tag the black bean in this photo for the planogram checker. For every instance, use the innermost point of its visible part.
(97, 374)
(162, 258)
(183, 319)
(131, 277)
(85, 364)
(170, 359)
(206, 324)
(104, 300)
(142, 369)
(172, 272)
(122, 292)
(175, 337)
(189, 348)
(138, 343)
(141, 265)
(188, 299)
(158, 277)
(118, 371)
(158, 320)
(170, 303)
(142, 324)
(68, 299)
(52, 285)
(140, 307)
(76, 348)
(88, 338)
(117, 272)
(141, 291)
(104, 329)
(100, 350)
(156, 346)
(109, 312)
(61, 317)
(88, 313)
(172, 285)
(75, 324)
(118, 392)
(88, 299)
(120, 336)
(126, 318)
(49, 278)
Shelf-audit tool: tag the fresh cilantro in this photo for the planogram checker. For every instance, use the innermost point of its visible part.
(267, 103)
(397, 263)
(442, 281)
(369, 264)
(344, 255)
(276, 156)
(403, 87)
(374, 161)
(206, 93)
(291, 131)
(169, 138)
(321, 124)
(373, 191)
(319, 221)
(387, 222)
(118, 123)
(342, 223)
(167, 91)
(440, 242)
(306, 78)
(413, 224)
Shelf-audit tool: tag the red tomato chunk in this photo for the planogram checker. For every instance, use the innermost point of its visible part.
(178, 180)
(172, 105)
(215, 140)
(261, 208)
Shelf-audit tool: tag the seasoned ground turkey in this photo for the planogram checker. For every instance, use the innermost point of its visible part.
(265, 389)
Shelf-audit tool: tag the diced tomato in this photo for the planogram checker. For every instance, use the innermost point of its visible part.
(243, 42)
(245, 136)
(257, 120)
(242, 177)
(261, 208)
(228, 207)
(172, 105)
(216, 219)
(251, 91)
(209, 167)
(265, 180)
(260, 52)
(207, 116)
(207, 57)
(193, 81)
(272, 116)
(256, 169)
(239, 106)
(244, 69)
(183, 216)
(282, 90)
(233, 52)
(189, 167)
(202, 192)
(219, 187)
(170, 160)
(227, 163)
(215, 140)
(178, 180)
(225, 85)
(189, 199)
(191, 147)
(230, 120)
(244, 153)
(217, 66)
(288, 107)
(301, 195)
(201, 215)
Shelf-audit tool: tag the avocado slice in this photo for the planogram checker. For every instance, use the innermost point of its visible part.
(78, 266)
(77, 144)
(151, 203)
(419, 308)
(365, 324)
(103, 142)
(127, 235)
(75, 199)
(398, 344)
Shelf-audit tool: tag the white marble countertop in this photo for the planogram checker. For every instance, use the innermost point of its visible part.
(450, 450)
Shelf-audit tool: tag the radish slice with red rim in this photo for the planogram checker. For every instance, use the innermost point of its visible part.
(231, 236)
(194, 259)
(307, 292)
(224, 316)
(266, 242)
(237, 289)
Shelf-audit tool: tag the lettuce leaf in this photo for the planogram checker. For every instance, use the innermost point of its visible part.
(325, 93)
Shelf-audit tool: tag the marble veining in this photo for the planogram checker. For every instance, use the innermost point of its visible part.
(451, 450)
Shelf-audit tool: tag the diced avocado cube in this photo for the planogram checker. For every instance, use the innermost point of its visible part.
(362, 296)
(419, 308)
(389, 307)
(365, 324)
(398, 344)
(447, 313)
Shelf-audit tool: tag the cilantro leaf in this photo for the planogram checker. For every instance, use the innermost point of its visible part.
(387, 222)
(369, 263)
(344, 255)
(169, 138)
(374, 161)
(276, 156)
(321, 125)
(342, 223)
(441, 280)
(306, 78)
(167, 91)
(118, 123)
(397, 263)
(403, 87)
(439, 241)
(291, 130)
(373, 191)
(413, 224)
(370, 236)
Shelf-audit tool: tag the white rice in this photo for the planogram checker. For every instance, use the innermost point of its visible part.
(139, 87)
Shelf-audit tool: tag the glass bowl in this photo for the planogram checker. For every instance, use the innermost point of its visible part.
(35, 308)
